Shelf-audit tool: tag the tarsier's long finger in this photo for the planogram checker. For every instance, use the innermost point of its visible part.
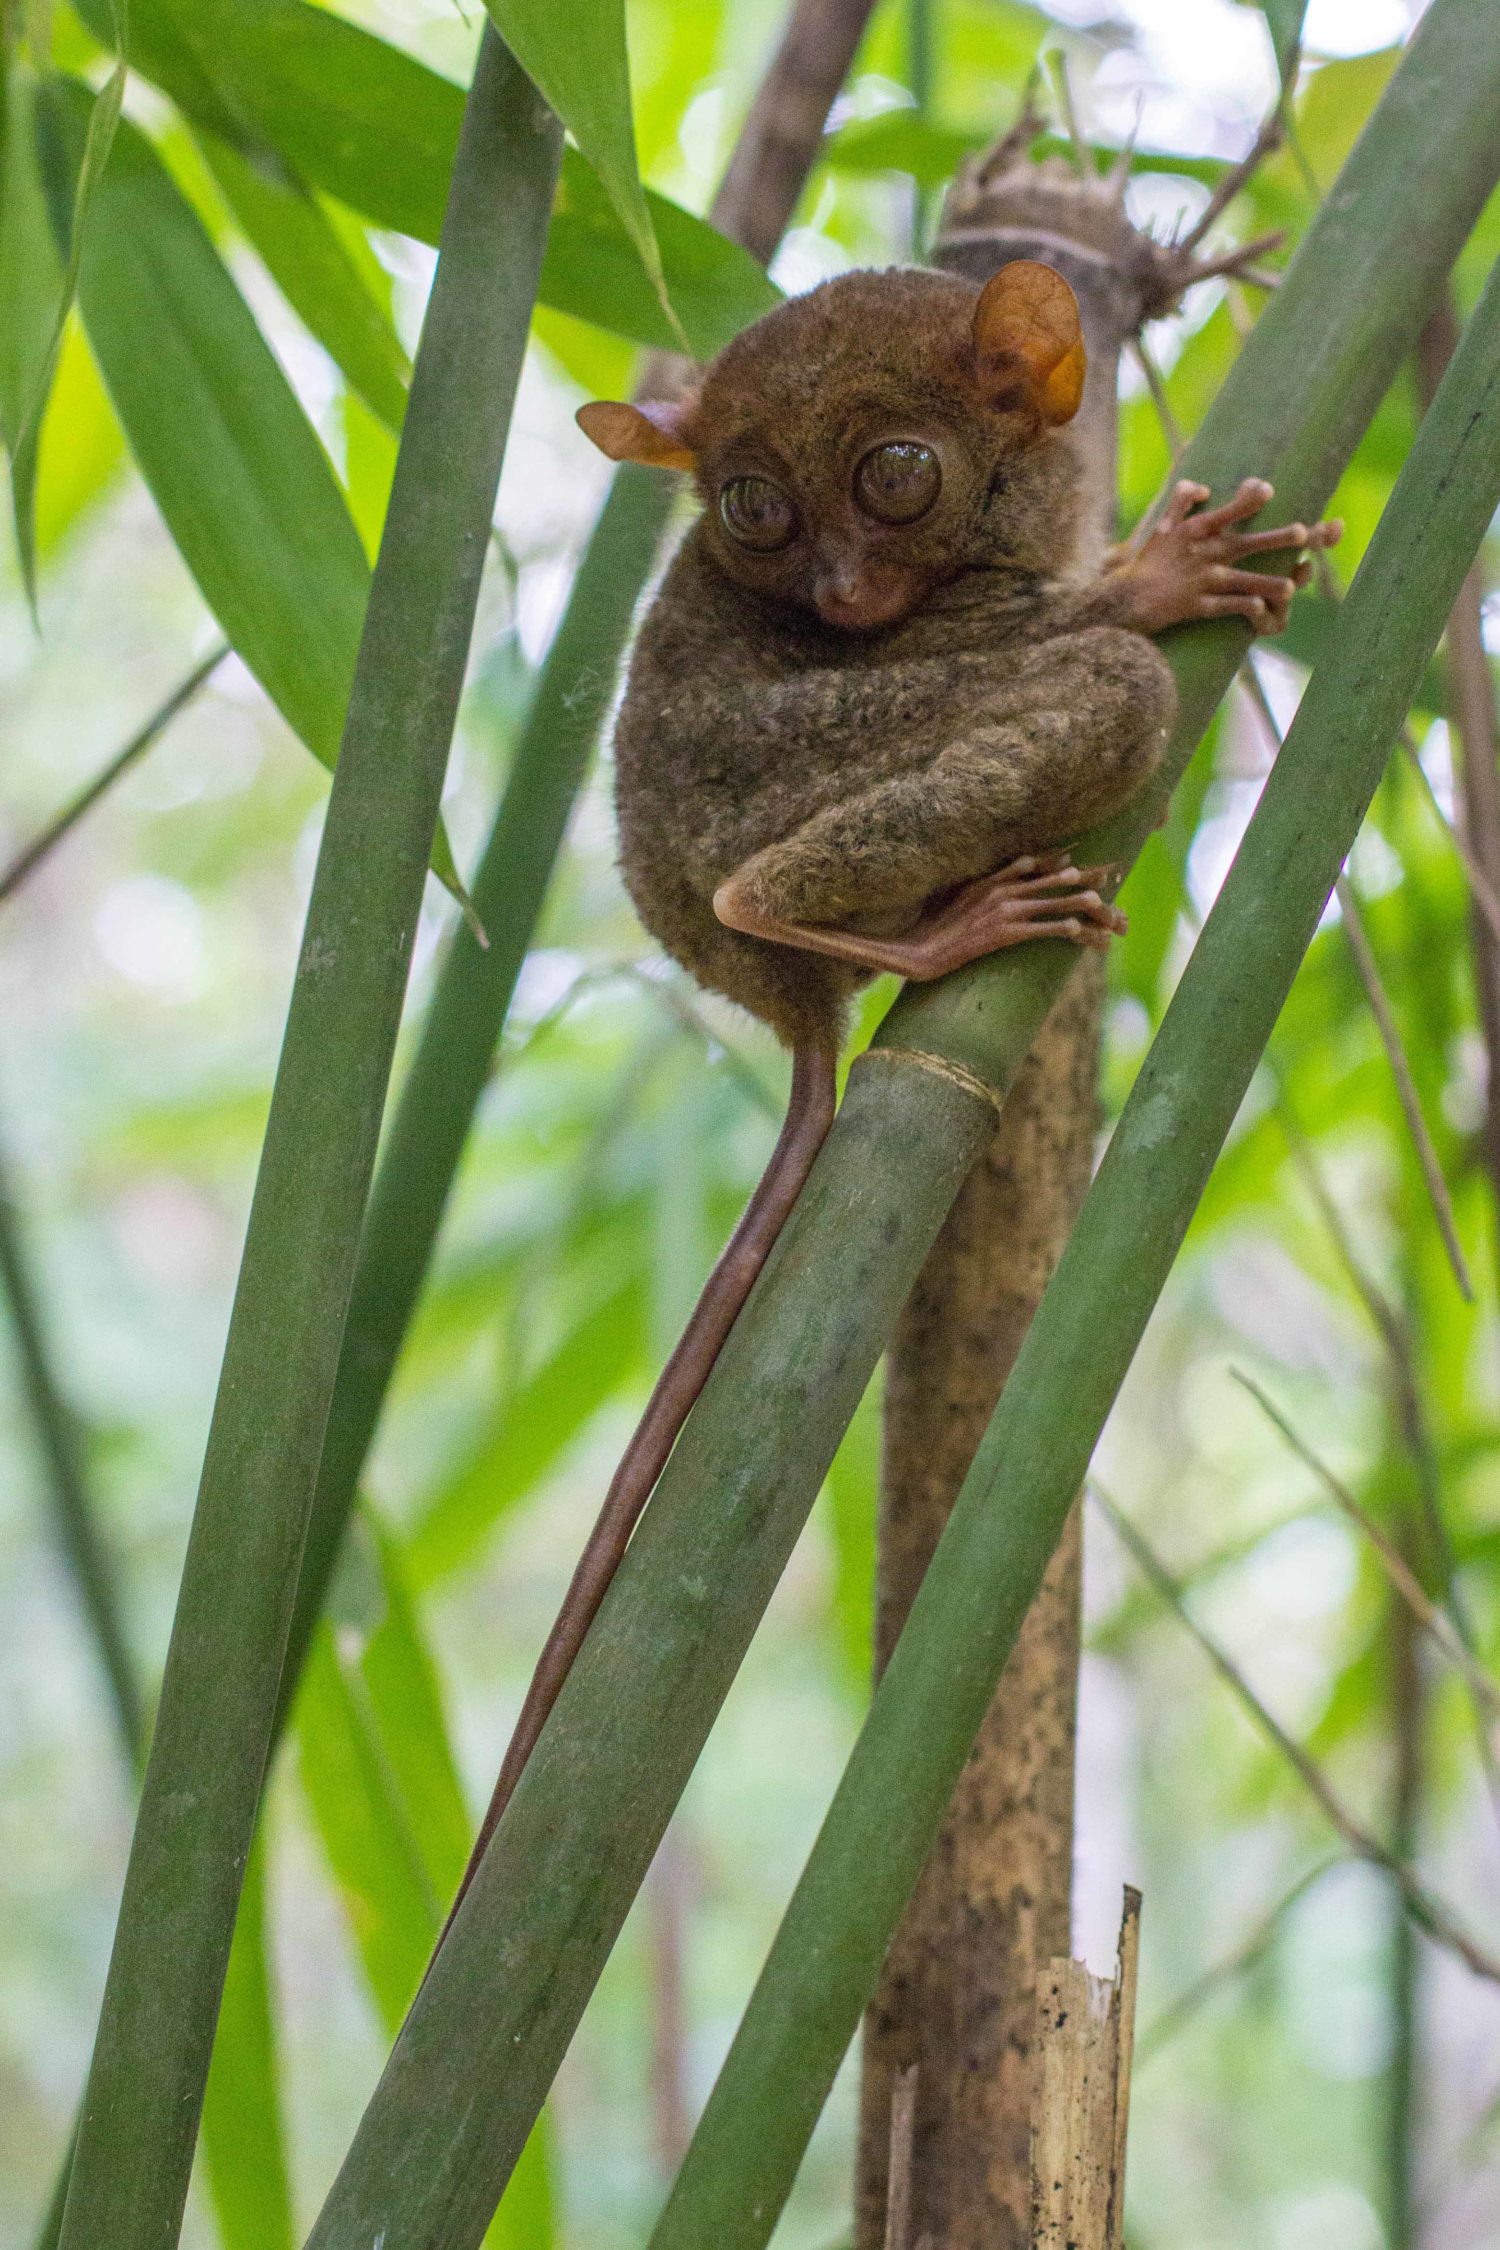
(1311, 536)
(1273, 591)
(1253, 606)
(1251, 497)
(1185, 498)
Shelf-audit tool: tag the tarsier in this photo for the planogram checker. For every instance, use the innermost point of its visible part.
(872, 705)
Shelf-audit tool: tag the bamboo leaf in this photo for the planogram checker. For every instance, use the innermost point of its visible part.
(1284, 19)
(30, 270)
(378, 1768)
(219, 1694)
(392, 1908)
(98, 140)
(576, 59)
(231, 460)
(358, 119)
(532, 1430)
(288, 227)
(509, 1984)
(592, 270)
(242, 2131)
(245, 488)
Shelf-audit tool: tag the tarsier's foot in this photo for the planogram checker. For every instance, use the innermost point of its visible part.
(1188, 565)
(1040, 896)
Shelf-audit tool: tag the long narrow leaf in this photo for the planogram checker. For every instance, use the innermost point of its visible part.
(30, 280)
(355, 117)
(103, 122)
(546, 1902)
(219, 1694)
(231, 460)
(246, 490)
(314, 272)
(378, 1769)
(576, 57)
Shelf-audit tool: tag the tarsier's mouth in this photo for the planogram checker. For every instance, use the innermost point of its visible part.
(867, 606)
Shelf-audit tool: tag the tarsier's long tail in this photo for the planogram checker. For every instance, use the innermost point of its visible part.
(808, 1117)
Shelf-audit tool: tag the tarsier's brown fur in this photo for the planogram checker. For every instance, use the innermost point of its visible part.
(868, 745)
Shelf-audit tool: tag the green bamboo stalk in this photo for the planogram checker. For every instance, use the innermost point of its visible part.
(502, 1999)
(767, 172)
(223, 1668)
(59, 1443)
(1036, 1451)
(456, 1051)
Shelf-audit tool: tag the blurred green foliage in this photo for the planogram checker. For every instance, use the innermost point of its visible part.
(143, 973)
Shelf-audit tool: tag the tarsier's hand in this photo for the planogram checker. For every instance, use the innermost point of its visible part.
(1188, 565)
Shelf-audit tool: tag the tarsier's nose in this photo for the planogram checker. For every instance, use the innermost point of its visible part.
(860, 598)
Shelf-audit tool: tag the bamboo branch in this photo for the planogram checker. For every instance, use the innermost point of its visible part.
(75, 1517)
(1434, 1620)
(1426, 1909)
(62, 824)
(1177, 2013)
(1368, 971)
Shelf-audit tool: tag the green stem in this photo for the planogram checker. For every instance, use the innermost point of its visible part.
(1037, 1449)
(59, 1442)
(505, 1994)
(224, 1663)
(455, 1053)
(62, 824)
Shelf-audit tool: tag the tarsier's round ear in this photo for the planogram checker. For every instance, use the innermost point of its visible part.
(655, 434)
(1026, 321)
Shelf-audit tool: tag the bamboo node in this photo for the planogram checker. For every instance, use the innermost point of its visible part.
(940, 1066)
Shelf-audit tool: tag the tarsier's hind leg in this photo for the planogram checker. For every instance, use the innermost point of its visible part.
(809, 1115)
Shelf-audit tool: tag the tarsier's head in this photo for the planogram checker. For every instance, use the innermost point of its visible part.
(877, 438)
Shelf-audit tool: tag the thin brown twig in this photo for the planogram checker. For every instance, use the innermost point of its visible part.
(1170, 426)
(1426, 1909)
(1436, 1620)
(1486, 898)
(1177, 2013)
(1268, 139)
(1358, 939)
(1079, 148)
(1385, 1023)
(62, 824)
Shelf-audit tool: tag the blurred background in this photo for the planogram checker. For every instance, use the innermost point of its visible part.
(1299, 2043)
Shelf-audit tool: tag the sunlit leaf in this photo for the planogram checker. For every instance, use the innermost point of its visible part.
(245, 488)
(93, 156)
(353, 116)
(30, 269)
(593, 271)
(530, 1433)
(315, 273)
(576, 58)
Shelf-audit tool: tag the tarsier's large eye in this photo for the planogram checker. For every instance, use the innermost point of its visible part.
(757, 514)
(896, 483)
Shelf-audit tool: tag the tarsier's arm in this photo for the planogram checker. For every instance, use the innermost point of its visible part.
(1083, 723)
